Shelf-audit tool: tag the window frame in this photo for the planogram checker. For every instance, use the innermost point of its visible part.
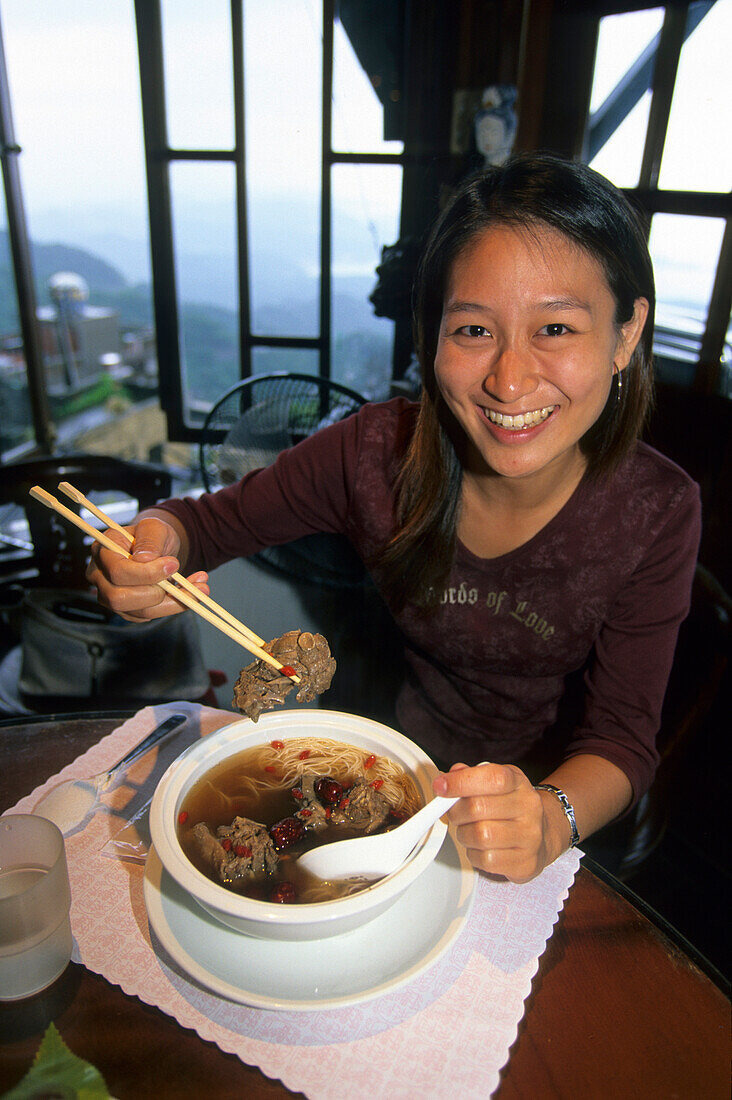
(661, 67)
(159, 156)
(43, 428)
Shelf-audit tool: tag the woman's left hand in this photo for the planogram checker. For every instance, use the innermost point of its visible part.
(500, 819)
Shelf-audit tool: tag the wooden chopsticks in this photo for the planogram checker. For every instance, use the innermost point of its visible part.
(182, 590)
(70, 491)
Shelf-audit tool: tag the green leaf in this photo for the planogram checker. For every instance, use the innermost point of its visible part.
(56, 1072)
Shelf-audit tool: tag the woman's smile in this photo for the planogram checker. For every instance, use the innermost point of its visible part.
(519, 422)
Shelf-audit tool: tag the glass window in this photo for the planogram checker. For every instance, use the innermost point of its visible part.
(199, 82)
(697, 154)
(358, 115)
(283, 93)
(620, 158)
(622, 39)
(366, 204)
(301, 360)
(75, 91)
(206, 278)
(685, 253)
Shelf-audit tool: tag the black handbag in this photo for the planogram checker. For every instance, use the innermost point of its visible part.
(72, 648)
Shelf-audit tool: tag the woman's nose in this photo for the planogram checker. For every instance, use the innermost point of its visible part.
(511, 375)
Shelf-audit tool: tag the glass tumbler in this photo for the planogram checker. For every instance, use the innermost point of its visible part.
(35, 898)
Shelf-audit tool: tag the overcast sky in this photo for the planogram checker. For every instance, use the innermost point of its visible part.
(75, 85)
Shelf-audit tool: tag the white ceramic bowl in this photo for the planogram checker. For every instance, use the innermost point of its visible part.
(268, 919)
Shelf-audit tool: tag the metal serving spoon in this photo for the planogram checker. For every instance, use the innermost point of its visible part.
(69, 803)
(377, 855)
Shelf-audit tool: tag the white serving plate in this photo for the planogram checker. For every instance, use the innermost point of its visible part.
(357, 966)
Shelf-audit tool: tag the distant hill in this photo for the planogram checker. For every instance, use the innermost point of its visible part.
(210, 334)
(51, 258)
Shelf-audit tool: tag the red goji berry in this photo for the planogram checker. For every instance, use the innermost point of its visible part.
(270, 768)
(277, 744)
(288, 670)
(369, 761)
(182, 817)
(296, 792)
(243, 850)
(304, 754)
(226, 844)
(306, 813)
(377, 783)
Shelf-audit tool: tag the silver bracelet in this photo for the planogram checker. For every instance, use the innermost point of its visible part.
(566, 806)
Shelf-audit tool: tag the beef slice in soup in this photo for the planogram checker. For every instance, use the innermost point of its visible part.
(311, 810)
(242, 850)
(261, 687)
(363, 808)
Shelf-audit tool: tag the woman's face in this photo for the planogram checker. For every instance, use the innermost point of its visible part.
(527, 348)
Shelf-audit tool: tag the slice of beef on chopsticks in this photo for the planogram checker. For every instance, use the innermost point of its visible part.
(261, 687)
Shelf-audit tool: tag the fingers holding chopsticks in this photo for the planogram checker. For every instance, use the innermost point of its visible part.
(130, 599)
(130, 586)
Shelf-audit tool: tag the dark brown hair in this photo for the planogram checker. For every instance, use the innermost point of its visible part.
(531, 192)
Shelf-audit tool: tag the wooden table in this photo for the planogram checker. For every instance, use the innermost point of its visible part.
(620, 1007)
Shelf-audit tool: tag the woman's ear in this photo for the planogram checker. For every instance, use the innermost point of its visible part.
(630, 334)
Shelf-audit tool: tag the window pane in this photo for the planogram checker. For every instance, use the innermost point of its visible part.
(685, 252)
(622, 40)
(698, 153)
(75, 89)
(16, 422)
(282, 68)
(621, 156)
(206, 278)
(366, 205)
(199, 81)
(301, 360)
(358, 115)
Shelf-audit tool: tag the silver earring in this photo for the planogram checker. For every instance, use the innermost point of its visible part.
(619, 376)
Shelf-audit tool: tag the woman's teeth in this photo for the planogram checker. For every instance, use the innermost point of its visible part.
(522, 420)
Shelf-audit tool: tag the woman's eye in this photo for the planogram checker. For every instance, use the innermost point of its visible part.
(555, 329)
(473, 330)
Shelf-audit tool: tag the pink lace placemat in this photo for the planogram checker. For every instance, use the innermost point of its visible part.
(447, 1033)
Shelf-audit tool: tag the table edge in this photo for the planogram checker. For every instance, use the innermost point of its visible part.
(66, 715)
(669, 930)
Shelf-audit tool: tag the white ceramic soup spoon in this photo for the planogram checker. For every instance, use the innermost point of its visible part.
(377, 855)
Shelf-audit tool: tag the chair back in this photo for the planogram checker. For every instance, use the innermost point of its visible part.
(58, 552)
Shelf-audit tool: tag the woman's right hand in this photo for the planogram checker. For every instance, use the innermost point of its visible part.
(129, 586)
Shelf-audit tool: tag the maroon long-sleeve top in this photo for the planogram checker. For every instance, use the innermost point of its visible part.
(603, 586)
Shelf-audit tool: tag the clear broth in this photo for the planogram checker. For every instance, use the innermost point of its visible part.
(225, 792)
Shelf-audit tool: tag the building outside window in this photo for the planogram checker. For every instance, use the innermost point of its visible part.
(272, 244)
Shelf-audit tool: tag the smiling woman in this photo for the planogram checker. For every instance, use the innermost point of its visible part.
(526, 354)
(515, 526)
